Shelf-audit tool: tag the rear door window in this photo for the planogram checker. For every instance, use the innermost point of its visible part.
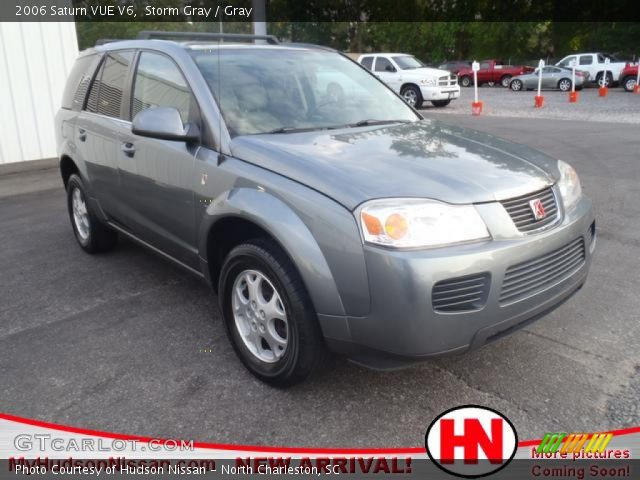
(586, 59)
(367, 62)
(384, 65)
(108, 87)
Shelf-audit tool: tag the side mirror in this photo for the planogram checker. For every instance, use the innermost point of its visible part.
(390, 68)
(163, 123)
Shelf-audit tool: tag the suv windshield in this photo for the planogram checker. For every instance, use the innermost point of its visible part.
(407, 62)
(279, 90)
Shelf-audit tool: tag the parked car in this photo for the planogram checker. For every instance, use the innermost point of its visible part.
(356, 227)
(629, 76)
(414, 81)
(455, 66)
(492, 71)
(594, 63)
(552, 78)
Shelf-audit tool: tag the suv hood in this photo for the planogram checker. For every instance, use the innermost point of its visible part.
(425, 72)
(425, 159)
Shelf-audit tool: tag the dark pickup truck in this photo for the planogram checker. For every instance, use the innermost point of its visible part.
(492, 71)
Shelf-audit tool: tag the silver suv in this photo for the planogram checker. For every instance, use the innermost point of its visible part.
(326, 213)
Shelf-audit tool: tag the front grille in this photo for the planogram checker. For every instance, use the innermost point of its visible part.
(461, 294)
(528, 278)
(447, 81)
(520, 211)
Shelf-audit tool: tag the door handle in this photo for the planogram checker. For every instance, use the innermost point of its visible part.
(82, 134)
(128, 149)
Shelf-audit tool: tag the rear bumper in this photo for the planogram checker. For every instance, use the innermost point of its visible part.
(403, 326)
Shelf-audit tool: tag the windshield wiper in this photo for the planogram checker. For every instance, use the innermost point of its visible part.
(361, 123)
(291, 130)
(365, 123)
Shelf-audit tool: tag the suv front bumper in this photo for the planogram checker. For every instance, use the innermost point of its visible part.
(403, 327)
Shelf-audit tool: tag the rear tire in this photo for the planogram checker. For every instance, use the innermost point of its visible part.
(268, 315)
(564, 84)
(92, 235)
(412, 95)
(603, 81)
(465, 81)
(440, 103)
(504, 81)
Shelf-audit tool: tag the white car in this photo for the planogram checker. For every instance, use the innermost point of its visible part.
(414, 81)
(594, 63)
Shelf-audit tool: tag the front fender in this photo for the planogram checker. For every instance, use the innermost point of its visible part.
(281, 222)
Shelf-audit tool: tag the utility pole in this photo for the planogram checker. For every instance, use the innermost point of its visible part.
(259, 17)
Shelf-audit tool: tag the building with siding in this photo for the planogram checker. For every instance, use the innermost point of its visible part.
(35, 59)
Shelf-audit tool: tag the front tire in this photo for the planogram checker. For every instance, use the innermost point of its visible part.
(440, 103)
(92, 235)
(268, 314)
(412, 95)
(516, 85)
(628, 83)
(465, 81)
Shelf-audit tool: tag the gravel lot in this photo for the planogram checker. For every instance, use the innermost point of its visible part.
(126, 342)
(619, 106)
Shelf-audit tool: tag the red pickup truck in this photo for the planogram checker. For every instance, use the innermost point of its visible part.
(628, 77)
(492, 71)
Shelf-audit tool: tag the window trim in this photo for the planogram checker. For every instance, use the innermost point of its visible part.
(92, 83)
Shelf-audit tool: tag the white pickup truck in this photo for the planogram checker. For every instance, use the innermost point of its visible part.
(412, 79)
(594, 63)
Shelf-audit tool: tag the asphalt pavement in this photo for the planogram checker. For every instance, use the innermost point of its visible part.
(126, 342)
(617, 107)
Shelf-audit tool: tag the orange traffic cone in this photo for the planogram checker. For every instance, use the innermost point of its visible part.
(476, 108)
(636, 89)
(573, 97)
(539, 101)
(602, 91)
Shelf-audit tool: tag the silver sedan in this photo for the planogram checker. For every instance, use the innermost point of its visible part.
(552, 78)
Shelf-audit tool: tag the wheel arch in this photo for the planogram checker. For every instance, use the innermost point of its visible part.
(409, 84)
(67, 168)
(245, 213)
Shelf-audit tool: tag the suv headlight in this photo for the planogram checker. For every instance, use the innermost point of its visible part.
(429, 82)
(411, 223)
(569, 185)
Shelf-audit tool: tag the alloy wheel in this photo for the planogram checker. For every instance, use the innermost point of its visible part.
(80, 214)
(410, 97)
(260, 316)
(630, 84)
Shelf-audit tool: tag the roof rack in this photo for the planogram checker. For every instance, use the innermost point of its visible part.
(186, 36)
(309, 45)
